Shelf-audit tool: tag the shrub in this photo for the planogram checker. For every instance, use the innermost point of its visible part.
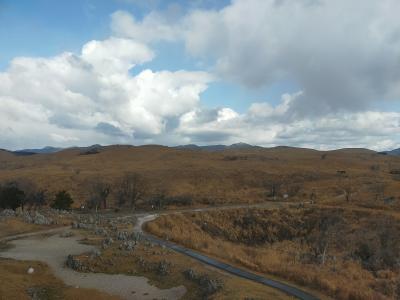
(11, 197)
(63, 201)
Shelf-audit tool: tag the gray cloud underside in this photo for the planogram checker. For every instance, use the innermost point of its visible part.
(343, 55)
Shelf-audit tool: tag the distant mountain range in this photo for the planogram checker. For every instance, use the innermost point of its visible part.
(394, 152)
(48, 150)
(194, 147)
(44, 150)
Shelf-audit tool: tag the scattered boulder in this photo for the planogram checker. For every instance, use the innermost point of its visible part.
(79, 225)
(7, 213)
(136, 237)
(31, 270)
(190, 274)
(74, 264)
(95, 253)
(163, 268)
(100, 231)
(122, 236)
(66, 234)
(127, 245)
(107, 242)
(209, 286)
(35, 218)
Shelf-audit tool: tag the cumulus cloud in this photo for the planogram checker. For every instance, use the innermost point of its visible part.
(155, 26)
(70, 97)
(115, 55)
(344, 55)
(269, 126)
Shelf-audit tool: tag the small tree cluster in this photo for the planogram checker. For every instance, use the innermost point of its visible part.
(11, 197)
(21, 193)
(99, 192)
(62, 200)
(129, 189)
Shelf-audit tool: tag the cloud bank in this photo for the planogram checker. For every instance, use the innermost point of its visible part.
(344, 57)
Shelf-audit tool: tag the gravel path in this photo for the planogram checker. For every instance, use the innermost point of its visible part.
(53, 250)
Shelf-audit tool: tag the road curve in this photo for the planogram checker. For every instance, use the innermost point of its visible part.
(283, 287)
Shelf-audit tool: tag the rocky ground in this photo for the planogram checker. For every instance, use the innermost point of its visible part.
(108, 252)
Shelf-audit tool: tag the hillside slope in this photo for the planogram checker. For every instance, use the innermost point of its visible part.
(233, 175)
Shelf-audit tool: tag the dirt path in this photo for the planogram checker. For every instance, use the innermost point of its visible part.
(53, 251)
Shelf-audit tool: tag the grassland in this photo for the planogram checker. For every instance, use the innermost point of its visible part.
(344, 253)
(359, 176)
(145, 257)
(346, 245)
(12, 226)
(17, 284)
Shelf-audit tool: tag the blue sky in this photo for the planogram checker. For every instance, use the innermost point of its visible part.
(47, 28)
(308, 73)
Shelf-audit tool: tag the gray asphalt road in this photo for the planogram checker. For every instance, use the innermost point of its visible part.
(288, 289)
(146, 217)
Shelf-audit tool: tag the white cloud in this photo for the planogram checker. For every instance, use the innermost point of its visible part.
(154, 27)
(342, 54)
(269, 126)
(92, 96)
(115, 55)
(343, 58)
(59, 138)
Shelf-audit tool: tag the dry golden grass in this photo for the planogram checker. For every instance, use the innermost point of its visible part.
(216, 177)
(12, 226)
(115, 261)
(289, 252)
(15, 282)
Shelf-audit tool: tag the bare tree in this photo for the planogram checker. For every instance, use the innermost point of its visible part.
(29, 189)
(378, 188)
(346, 185)
(348, 191)
(273, 187)
(99, 192)
(37, 199)
(129, 189)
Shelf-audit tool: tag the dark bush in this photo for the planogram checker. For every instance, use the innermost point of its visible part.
(208, 285)
(161, 200)
(90, 152)
(11, 197)
(63, 200)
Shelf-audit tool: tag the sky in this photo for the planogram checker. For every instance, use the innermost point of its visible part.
(306, 73)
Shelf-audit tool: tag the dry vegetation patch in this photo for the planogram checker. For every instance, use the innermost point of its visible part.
(12, 226)
(183, 177)
(17, 284)
(166, 269)
(346, 254)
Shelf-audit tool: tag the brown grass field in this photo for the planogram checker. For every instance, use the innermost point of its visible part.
(138, 262)
(345, 245)
(16, 283)
(344, 253)
(229, 176)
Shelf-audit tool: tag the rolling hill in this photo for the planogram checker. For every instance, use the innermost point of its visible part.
(238, 173)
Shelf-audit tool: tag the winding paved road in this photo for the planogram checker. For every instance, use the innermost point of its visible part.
(146, 217)
(286, 288)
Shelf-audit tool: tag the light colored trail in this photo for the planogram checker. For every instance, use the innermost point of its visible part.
(53, 251)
